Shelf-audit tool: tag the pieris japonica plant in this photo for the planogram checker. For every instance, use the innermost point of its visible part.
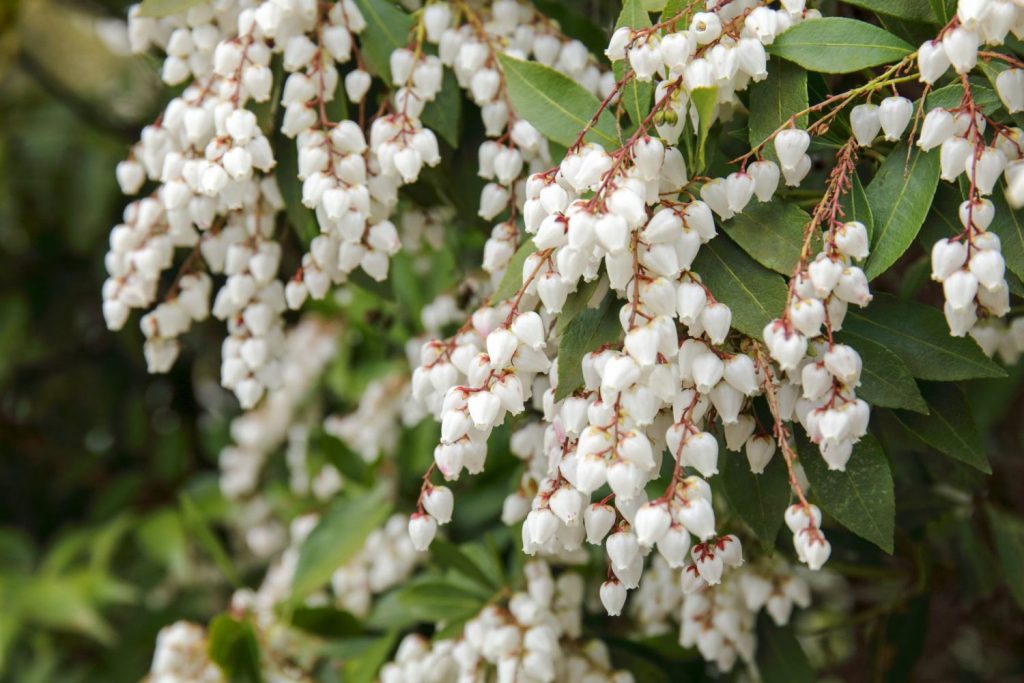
(617, 320)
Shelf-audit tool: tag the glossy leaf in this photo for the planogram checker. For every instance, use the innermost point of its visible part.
(949, 427)
(759, 499)
(857, 207)
(589, 330)
(443, 114)
(899, 196)
(918, 335)
(772, 233)
(387, 29)
(234, 648)
(911, 10)
(885, 380)
(512, 280)
(556, 105)
(755, 294)
(837, 45)
(861, 498)
(775, 100)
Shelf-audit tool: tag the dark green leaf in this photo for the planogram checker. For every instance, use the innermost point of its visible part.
(774, 100)
(950, 96)
(949, 427)
(336, 539)
(575, 24)
(837, 45)
(755, 294)
(780, 659)
(582, 298)
(1008, 533)
(326, 622)
(302, 220)
(856, 207)
(512, 280)
(347, 461)
(905, 632)
(759, 499)
(436, 599)
(165, 8)
(944, 10)
(772, 233)
(885, 380)
(443, 114)
(556, 105)
(371, 656)
(234, 648)
(449, 556)
(912, 10)
(198, 529)
(861, 498)
(1009, 225)
(387, 29)
(919, 336)
(588, 330)
(899, 197)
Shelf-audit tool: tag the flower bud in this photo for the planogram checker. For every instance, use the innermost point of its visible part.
(422, 529)
(613, 597)
(651, 523)
(438, 502)
(865, 121)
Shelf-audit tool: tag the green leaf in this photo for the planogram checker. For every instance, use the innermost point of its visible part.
(885, 380)
(587, 331)
(899, 197)
(673, 8)
(326, 622)
(556, 105)
(919, 336)
(337, 453)
(578, 301)
(755, 295)
(302, 219)
(449, 556)
(780, 659)
(774, 100)
(165, 8)
(636, 96)
(944, 10)
(912, 10)
(1009, 225)
(443, 114)
(836, 45)
(861, 498)
(856, 207)
(387, 29)
(234, 648)
(436, 599)
(369, 659)
(950, 96)
(197, 528)
(759, 499)
(949, 427)
(1008, 534)
(772, 233)
(703, 101)
(512, 280)
(337, 538)
(575, 24)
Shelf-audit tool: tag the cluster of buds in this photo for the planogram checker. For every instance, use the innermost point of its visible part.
(804, 520)
(182, 655)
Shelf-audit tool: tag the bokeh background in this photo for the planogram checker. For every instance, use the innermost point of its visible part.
(108, 475)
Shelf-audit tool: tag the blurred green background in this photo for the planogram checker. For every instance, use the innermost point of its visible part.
(108, 484)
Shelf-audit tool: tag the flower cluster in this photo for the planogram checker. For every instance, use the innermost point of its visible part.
(536, 636)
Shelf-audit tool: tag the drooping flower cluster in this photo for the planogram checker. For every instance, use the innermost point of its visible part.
(970, 265)
(536, 636)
